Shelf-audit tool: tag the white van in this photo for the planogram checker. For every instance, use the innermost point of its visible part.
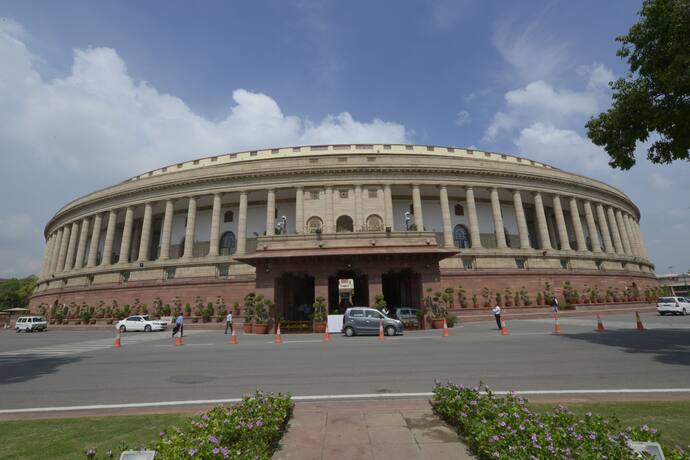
(30, 324)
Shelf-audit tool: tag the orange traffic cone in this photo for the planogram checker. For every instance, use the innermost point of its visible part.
(279, 339)
(600, 324)
(445, 328)
(178, 340)
(380, 329)
(326, 336)
(640, 327)
(233, 337)
(504, 329)
(118, 342)
(556, 326)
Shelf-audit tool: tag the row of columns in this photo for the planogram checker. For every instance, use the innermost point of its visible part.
(66, 247)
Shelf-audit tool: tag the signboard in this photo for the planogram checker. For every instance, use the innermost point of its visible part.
(335, 323)
(346, 285)
(652, 449)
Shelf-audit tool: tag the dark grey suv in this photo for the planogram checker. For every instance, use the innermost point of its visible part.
(364, 320)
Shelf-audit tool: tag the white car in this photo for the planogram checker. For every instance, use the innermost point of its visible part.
(140, 323)
(675, 305)
(30, 324)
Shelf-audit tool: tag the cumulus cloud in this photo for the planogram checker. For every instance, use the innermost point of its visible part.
(463, 118)
(97, 125)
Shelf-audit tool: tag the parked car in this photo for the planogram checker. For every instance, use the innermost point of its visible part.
(141, 323)
(30, 324)
(675, 305)
(408, 314)
(364, 320)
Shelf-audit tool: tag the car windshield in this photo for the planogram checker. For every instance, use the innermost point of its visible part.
(667, 299)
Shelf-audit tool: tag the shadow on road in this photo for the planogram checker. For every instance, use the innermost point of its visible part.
(18, 369)
(669, 346)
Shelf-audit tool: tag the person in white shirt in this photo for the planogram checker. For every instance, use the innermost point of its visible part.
(228, 322)
(497, 315)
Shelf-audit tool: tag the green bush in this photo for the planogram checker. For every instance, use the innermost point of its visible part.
(506, 428)
(451, 319)
(249, 430)
(566, 306)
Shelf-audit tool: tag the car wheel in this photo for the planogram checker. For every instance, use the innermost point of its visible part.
(18, 330)
(661, 313)
(147, 328)
(390, 331)
(349, 331)
(123, 329)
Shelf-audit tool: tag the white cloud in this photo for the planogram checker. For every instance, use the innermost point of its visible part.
(598, 76)
(541, 96)
(463, 118)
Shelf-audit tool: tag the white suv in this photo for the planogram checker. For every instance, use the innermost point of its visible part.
(675, 305)
(30, 324)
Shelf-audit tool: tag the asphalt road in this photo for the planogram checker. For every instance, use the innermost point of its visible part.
(66, 368)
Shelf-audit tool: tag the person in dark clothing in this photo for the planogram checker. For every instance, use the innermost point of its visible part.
(497, 315)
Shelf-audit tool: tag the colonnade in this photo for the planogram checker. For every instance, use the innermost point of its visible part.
(66, 247)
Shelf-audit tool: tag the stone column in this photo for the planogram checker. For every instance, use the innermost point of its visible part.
(299, 210)
(613, 225)
(634, 247)
(577, 225)
(417, 208)
(541, 221)
(166, 230)
(640, 238)
(81, 247)
(214, 237)
(472, 219)
(560, 223)
(109, 237)
(59, 251)
(592, 227)
(445, 216)
(74, 234)
(95, 240)
(145, 239)
(499, 230)
(271, 213)
(189, 231)
(329, 211)
(126, 236)
(608, 244)
(388, 207)
(358, 224)
(627, 250)
(46, 256)
(521, 220)
(242, 225)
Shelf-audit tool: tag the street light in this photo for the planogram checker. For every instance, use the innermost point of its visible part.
(407, 221)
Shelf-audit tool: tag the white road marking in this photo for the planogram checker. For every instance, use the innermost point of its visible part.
(195, 402)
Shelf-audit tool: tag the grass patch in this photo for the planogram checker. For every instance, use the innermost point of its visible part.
(68, 438)
(671, 418)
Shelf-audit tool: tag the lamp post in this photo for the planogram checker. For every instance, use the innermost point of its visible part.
(283, 225)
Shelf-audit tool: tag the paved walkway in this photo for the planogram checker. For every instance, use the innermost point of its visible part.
(390, 429)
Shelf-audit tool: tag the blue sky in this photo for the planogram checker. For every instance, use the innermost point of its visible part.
(94, 92)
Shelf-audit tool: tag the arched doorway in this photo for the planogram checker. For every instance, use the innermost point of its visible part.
(374, 223)
(314, 224)
(228, 243)
(461, 237)
(344, 224)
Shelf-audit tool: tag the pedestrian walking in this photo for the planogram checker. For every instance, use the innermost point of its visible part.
(179, 325)
(497, 315)
(554, 304)
(228, 323)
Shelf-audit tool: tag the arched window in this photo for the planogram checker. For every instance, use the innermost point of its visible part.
(228, 243)
(374, 223)
(314, 224)
(459, 210)
(344, 224)
(229, 216)
(461, 237)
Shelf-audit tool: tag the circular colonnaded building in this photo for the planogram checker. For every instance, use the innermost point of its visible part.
(289, 223)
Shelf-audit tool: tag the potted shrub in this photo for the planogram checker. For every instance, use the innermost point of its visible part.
(540, 299)
(462, 297)
(207, 312)
(475, 301)
(236, 308)
(320, 315)
(249, 302)
(486, 293)
(380, 302)
(439, 308)
(187, 310)
(260, 315)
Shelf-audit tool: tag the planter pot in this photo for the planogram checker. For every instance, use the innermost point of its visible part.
(219, 319)
(52, 321)
(247, 328)
(261, 328)
(320, 328)
(205, 319)
(437, 323)
(93, 321)
(195, 320)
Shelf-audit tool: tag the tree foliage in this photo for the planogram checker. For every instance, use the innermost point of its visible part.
(654, 98)
(15, 292)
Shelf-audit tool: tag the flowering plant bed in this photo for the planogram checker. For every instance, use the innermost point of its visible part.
(248, 430)
(505, 427)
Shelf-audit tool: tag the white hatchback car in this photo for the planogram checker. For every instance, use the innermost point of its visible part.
(30, 324)
(675, 305)
(140, 323)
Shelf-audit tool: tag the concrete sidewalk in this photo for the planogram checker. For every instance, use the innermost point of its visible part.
(399, 429)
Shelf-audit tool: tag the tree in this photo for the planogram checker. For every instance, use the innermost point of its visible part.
(15, 293)
(655, 95)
